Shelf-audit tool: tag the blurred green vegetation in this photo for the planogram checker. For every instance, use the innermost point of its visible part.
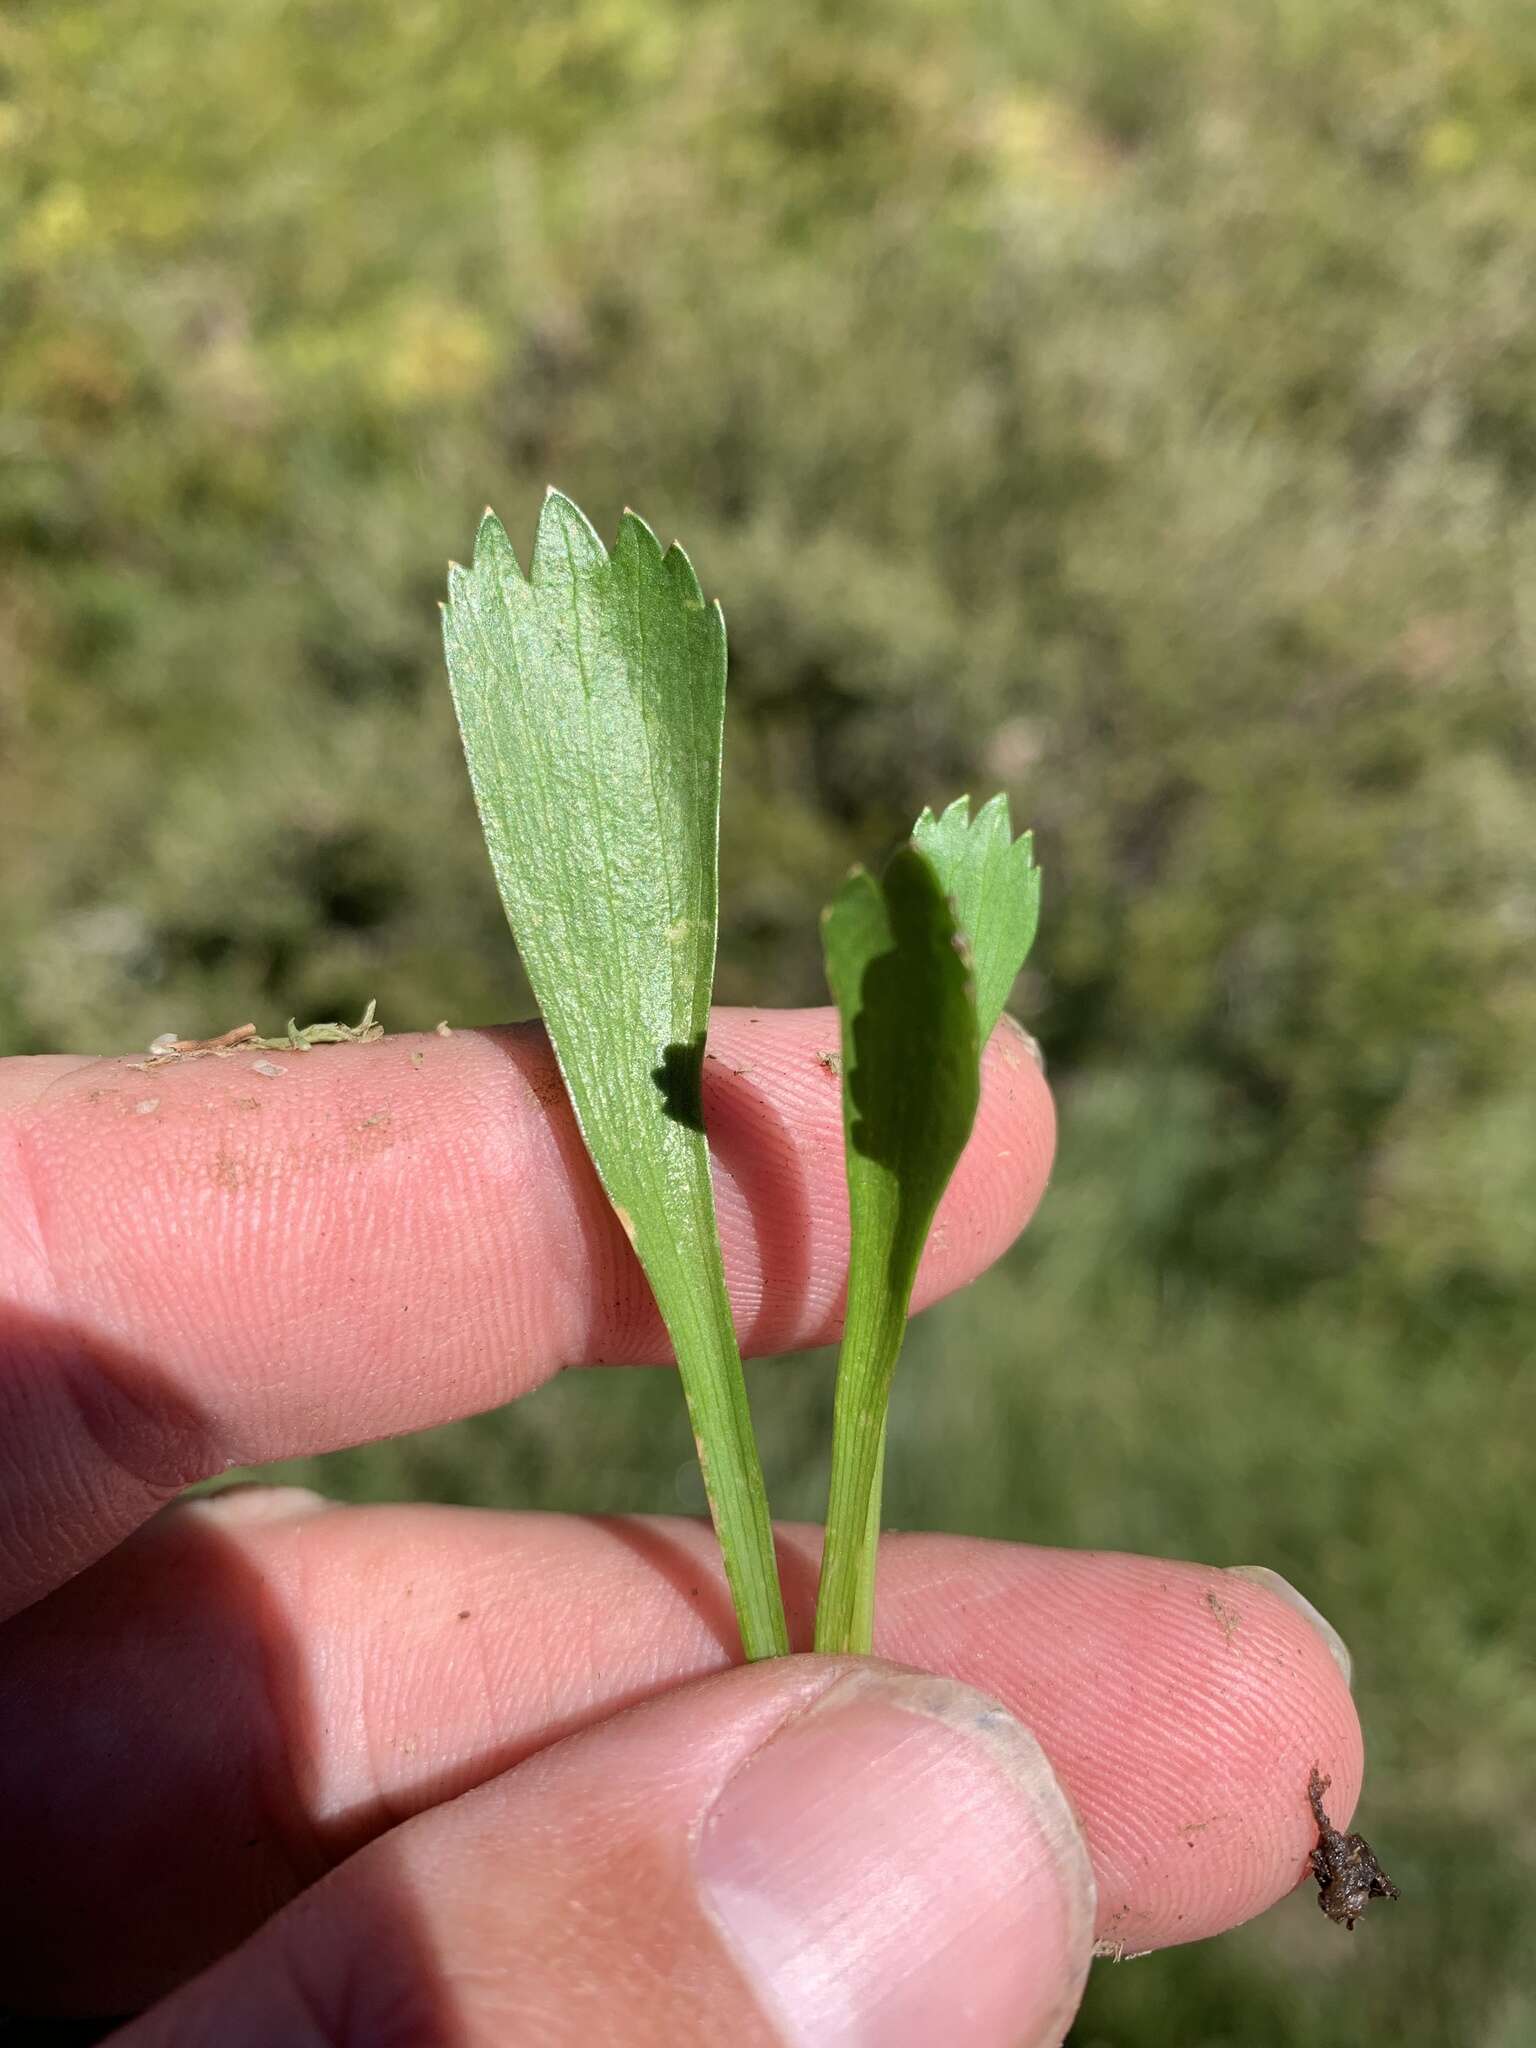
(1130, 406)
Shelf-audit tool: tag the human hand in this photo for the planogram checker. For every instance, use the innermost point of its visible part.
(416, 1774)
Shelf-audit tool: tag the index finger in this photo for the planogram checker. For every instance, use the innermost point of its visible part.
(225, 1261)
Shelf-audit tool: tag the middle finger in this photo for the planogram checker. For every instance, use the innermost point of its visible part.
(195, 1729)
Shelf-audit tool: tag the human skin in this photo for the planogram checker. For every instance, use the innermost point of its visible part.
(416, 1773)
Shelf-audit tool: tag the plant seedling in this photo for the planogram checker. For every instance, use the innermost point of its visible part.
(590, 696)
(920, 964)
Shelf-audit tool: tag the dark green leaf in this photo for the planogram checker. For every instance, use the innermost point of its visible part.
(911, 1062)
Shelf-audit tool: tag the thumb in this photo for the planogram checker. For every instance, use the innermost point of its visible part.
(809, 1851)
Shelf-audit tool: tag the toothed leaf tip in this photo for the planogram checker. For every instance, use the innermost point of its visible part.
(995, 886)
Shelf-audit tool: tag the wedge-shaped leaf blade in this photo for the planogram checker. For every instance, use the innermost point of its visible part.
(590, 697)
(900, 975)
(994, 884)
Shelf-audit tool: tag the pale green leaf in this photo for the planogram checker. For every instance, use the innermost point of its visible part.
(994, 884)
(590, 697)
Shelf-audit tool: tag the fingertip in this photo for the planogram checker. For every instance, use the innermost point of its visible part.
(897, 1854)
(1319, 1670)
(1263, 1575)
(1187, 1750)
(1003, 1172)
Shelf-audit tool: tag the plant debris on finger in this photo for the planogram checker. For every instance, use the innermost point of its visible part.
(1345, 1866)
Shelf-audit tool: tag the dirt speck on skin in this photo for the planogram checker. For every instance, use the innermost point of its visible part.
(547, 1089)
(247, 1102)
(1228, 1620)
(367, 1136)
(463, 1614)
(228, 1173)
(418, 1060)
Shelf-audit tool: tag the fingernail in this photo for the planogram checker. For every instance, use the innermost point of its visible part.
(1338, 1649)
(1031, 1044)
(248, 1500)
(898, 1867)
